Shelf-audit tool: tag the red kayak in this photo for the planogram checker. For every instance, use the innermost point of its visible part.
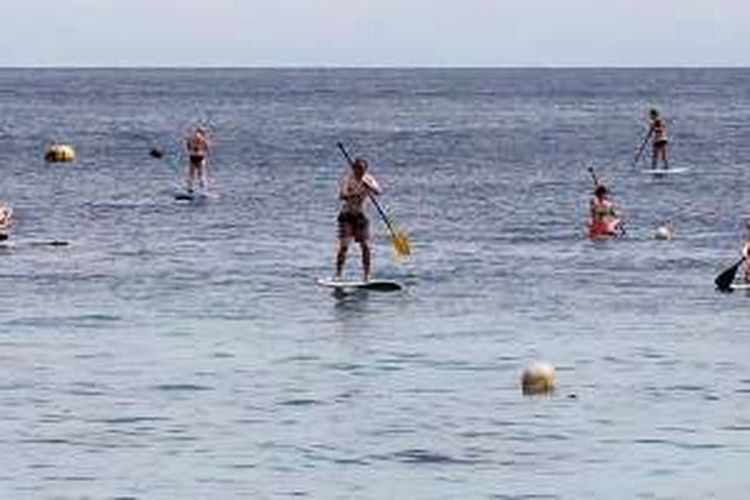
(605, 228)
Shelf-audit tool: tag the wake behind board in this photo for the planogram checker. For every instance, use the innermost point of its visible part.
(379, 285)
(666, 171)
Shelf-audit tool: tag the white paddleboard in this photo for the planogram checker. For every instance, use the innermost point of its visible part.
(666, 171)
(379, 285)
(740, 286)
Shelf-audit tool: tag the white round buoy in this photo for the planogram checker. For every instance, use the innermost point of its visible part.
(60, 153)
(538, 378)
(664, 233)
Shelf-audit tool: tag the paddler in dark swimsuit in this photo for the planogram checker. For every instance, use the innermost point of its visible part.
(658, 131)
(198, 147)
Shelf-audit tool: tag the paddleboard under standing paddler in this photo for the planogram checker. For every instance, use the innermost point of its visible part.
(193, 196)
(666, 171)
(377, 285)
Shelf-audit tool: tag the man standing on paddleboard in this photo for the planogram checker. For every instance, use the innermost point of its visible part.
(354, 190)
(198, 147)
(658, 132)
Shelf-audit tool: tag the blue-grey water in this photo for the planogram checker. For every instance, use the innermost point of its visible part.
(184, 350)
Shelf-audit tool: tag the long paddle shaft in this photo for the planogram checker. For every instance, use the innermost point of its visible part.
(374, 200)
(593, 176)
(640, 150)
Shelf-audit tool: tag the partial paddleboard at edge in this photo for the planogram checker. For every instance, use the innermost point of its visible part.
(380, 285)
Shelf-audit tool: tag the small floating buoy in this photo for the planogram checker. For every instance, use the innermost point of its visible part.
(664, 233)
(538, 378)
(60, 153)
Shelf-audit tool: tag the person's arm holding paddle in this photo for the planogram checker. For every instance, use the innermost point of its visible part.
(357, 190)
(371, 185)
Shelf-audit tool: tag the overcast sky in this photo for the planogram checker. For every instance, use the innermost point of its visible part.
(375, 32)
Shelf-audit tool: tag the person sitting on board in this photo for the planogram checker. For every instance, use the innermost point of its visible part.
(604, 220)
(198, 147)
(658, 133)
(354, 190)
(6, 219)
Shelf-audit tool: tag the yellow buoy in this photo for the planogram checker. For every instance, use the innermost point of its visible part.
(60, 153)
(538, 378)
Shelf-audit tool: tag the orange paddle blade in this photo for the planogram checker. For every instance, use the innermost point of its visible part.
(401, 244)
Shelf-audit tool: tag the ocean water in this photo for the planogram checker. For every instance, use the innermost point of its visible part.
(178, 350)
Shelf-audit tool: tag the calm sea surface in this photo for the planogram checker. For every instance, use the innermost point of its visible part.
(185, 351)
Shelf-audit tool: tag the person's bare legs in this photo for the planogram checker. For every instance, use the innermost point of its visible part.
(201, 175)
(366, 259)
(341, 257)
(191, 176)
(660, 151)
(664, 156)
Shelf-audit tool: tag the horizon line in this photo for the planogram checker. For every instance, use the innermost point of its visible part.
(367, 67)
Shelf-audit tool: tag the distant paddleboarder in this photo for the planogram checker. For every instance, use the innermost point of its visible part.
(6, 220)
(198, 145)
(658, 134)
(354, 190)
